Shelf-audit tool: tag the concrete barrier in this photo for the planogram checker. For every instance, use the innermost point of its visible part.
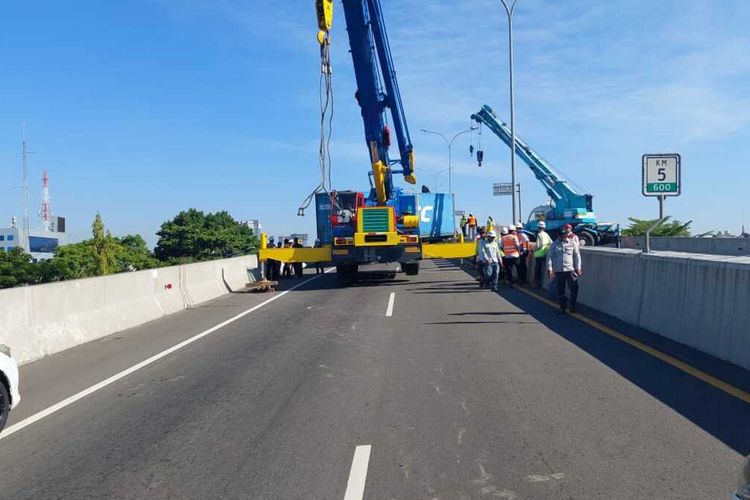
(702, 301)
(40, 320)
(713, 246)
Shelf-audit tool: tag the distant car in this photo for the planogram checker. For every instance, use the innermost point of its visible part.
(9, 396)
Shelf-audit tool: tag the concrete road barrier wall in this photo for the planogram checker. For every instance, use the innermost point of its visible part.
(40, 320)
(702, 301)
(713, 246)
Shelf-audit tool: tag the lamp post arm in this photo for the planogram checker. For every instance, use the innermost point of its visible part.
(435, 133)
(460, 134)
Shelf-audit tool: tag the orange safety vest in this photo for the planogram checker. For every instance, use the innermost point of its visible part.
(523, 242)
(510, 245)
(472, 220)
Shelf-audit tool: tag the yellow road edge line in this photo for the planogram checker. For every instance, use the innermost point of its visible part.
(671, 360)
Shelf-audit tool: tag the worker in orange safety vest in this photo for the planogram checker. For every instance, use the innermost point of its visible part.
(511, 251)
(472, 223)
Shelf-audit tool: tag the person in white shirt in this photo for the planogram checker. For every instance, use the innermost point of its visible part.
(490, 255)
(564, 264)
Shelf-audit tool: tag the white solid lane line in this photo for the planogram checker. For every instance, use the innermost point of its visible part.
(389, 309)
(355, 488)
(114, 378)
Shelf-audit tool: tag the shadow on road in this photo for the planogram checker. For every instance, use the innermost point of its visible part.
(330, 281)
(718, 413)
(442, 287)
(481, 322)
(488, 313)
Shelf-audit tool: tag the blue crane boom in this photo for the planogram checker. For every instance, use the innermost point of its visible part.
(562, 194)
(371, 55)
(568, 205)
(390, 225)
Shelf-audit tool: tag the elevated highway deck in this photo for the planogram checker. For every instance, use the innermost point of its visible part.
(457, 392)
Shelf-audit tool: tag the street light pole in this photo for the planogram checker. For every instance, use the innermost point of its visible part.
(509, 11)
(449, 143)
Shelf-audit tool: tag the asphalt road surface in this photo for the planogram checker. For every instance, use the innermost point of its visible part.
(458, 393)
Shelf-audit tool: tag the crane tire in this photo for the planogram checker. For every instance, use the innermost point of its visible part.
(586, 239)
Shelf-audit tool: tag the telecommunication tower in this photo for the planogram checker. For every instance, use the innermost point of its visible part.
(45, 212)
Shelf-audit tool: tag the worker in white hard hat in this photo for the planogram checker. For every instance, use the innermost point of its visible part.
(523, 243)
(541, 248)
(490, 255)
(478, 263)
(511, 253)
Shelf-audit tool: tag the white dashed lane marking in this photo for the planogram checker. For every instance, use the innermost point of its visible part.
(355, 488)
(389, 309)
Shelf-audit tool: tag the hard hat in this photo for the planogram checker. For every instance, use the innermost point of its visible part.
(541, 224)
(511, 228)
(519, 225)
(504, 230)
(492, 234)
(567, 226)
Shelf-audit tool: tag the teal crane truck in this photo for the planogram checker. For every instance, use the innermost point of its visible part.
(567, 205)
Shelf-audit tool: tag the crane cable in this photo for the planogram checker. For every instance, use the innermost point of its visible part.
(325, 97)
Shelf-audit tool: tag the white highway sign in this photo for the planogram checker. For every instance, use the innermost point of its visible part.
(661, 175)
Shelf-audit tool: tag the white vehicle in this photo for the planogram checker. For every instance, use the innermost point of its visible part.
(9, 396)
(743, 484)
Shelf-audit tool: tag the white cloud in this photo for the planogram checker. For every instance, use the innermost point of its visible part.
(596, 79)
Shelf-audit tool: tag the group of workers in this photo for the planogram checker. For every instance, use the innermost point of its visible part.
(561, 258)
(276, 269)
(470, 228)
(512, 252)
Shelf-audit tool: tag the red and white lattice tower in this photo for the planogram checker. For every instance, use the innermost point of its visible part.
(46, 210)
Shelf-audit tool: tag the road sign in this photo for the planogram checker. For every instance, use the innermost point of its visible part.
(459, 213)
(661, 175)
(502, 189)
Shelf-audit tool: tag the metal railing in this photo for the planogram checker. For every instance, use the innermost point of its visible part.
(648, 232)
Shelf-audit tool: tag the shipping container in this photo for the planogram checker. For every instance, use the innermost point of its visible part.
(436, 219)
(323, 218)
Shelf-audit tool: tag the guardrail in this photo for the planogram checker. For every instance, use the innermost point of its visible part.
(40, 320)
(698, 300)
(712, 246)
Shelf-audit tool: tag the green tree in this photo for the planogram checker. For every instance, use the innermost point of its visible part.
(133, 254)
(102, 254)
(73, 261)
(105, 248)
(195, 236)
(97, 256)
(16, 268)
(638, 227)
(82, 260)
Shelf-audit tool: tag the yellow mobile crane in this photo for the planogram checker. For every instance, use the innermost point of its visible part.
(384, 226)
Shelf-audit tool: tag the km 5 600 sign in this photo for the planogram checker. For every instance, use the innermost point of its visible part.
(661, 175)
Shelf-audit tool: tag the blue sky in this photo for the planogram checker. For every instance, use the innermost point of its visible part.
(142, 108)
